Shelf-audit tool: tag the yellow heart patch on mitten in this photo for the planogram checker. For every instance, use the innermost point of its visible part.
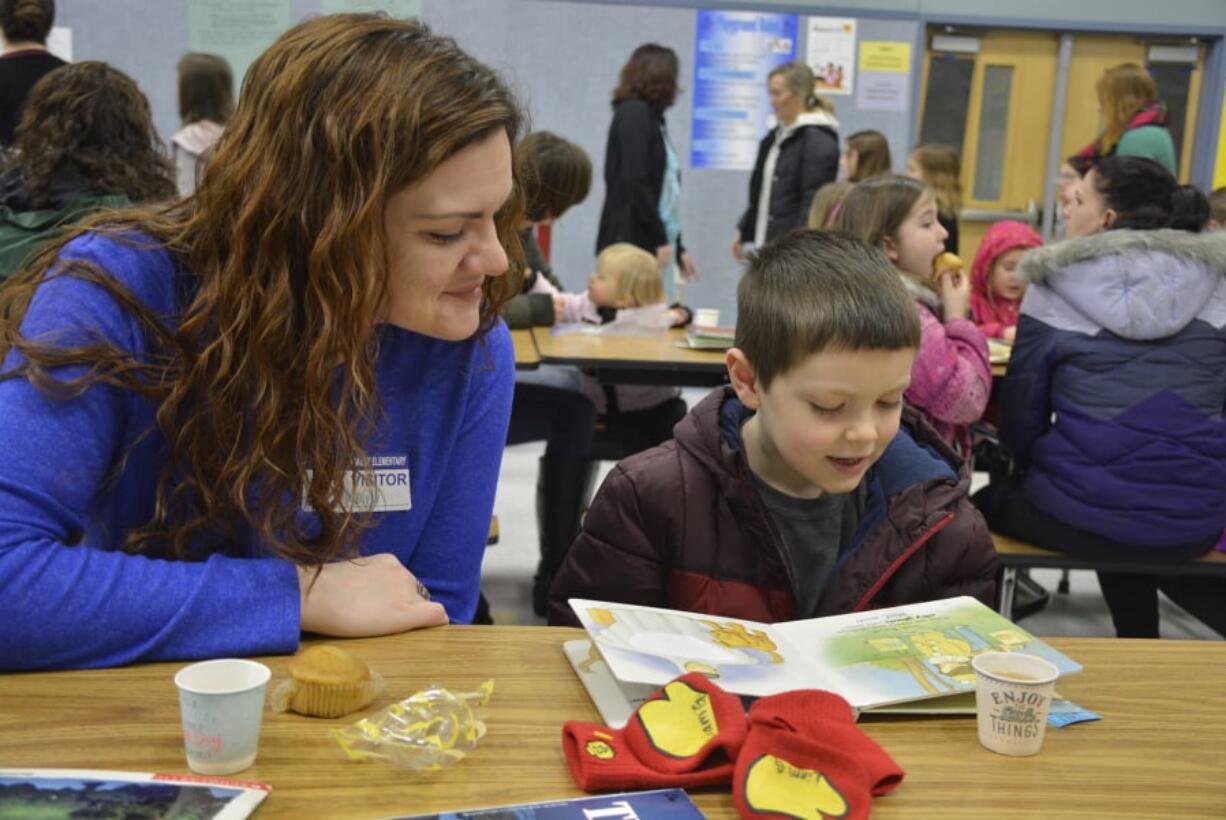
(600, 749)
(679, 722)
(774, 786)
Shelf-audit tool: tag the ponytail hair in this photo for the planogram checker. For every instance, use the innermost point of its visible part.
(1146, 196)
(1189, 209)
(801, 81)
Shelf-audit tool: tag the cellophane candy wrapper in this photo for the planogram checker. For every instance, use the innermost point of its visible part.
(425, 732)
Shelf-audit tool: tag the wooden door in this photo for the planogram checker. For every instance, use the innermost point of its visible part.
(1003, 92)
(1093, 54)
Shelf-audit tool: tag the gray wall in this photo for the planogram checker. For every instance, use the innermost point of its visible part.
(566, 89)
(563, 58)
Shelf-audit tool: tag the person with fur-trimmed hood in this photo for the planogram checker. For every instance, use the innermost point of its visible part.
(1112, 405)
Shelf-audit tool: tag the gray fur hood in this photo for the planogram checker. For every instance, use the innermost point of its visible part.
(1137, 284)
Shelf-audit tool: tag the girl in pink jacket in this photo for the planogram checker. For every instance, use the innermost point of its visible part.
(996, 294)
(952, 376)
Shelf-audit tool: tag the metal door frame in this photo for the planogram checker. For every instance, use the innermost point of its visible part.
(1208, 115)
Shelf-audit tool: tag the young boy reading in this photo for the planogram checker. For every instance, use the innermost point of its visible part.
(793, 493)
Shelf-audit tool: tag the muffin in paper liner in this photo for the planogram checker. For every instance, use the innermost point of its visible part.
(326, 681)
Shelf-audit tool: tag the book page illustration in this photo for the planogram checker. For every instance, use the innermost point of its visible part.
(874, 658)
(922, 651)
(654, 646)
(615, 700)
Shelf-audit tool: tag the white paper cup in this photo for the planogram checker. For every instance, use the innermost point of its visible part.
(222, 705)
(706, 317)
(1013, 694)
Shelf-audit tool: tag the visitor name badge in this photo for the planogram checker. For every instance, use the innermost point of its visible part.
(386, 488)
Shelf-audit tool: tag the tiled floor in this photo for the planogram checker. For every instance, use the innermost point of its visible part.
(509, 565)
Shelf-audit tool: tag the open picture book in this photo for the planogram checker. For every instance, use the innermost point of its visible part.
(912, 658)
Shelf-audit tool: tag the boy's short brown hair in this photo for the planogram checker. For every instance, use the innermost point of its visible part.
(809, 291)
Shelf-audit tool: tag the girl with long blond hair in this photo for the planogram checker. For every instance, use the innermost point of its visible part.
(1135, 120)
(278, 406)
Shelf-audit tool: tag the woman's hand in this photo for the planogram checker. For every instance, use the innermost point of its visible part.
(1009, 333)
(738, 252)
(559, 307)
(371, 595)
(664, 256)
(955, 289)
(688, 269)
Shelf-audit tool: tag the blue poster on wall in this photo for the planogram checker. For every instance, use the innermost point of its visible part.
(734, 53)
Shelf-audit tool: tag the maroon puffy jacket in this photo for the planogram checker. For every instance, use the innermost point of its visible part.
(681, 526)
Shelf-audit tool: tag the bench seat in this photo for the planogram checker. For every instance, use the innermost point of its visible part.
(1013, 555)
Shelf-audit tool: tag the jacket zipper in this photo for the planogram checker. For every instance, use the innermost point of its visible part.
(902, 559)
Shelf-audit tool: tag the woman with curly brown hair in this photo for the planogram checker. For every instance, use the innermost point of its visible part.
(25, 60)
(642, 172)
(86, 142)
(280, 405)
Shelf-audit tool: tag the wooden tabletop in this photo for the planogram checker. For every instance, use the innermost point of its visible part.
(1158, 752)
(622, 358)
(526, 357)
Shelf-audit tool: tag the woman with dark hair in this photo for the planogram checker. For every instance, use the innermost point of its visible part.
(797, 157)
(86, 142)
(1112, 405)
(206, 100)
(280, 405)
(25, 59)
(549, 404)
(555, 175)
(642, 171)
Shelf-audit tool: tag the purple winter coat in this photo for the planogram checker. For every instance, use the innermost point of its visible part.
(1114, 395)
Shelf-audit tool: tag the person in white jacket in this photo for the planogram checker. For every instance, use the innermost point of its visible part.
(206, 100)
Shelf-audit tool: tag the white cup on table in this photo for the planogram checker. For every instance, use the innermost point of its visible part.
(222, 705)
(1013, 693)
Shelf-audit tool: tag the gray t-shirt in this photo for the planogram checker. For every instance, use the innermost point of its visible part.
(815, 531)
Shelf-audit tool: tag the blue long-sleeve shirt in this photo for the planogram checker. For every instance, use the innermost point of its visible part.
(70, 597)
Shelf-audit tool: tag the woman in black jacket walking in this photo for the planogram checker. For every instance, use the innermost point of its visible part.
(642, 172)
(798, 156)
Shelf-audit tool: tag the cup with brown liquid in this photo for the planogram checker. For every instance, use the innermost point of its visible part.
(1013, 693)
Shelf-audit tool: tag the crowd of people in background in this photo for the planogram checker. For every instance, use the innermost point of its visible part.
(242, 334)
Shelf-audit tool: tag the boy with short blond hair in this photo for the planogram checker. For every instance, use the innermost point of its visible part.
(794, 492)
